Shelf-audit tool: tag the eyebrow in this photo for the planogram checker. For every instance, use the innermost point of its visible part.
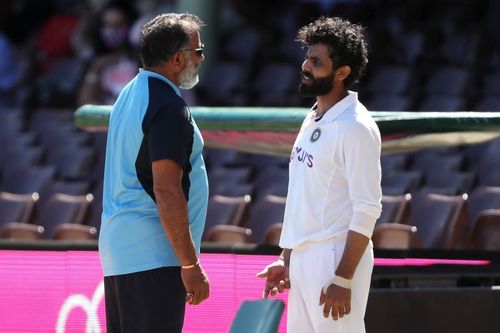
(315, 58)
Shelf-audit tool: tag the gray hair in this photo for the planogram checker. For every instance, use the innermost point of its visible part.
(165, 35)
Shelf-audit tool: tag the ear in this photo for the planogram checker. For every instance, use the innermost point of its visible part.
(178, 61)
(342, 72)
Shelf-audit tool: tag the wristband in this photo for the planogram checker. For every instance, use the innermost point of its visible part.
(191, 266)
(338, 281)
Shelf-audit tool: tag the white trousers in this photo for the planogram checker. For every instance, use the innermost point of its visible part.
(312, 265)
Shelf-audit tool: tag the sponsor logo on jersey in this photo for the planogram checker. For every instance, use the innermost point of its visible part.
(302, 156)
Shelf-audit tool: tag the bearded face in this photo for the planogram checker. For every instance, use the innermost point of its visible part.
(311, 86)
(188, 78)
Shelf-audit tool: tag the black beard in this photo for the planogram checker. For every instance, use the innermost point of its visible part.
(318, 87)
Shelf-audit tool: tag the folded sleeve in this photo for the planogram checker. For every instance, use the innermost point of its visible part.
(362, 146)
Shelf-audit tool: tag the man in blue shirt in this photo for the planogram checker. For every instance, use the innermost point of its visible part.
(155, 186)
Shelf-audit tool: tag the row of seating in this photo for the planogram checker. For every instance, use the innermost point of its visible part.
(458, 169)
(61, 217)
(247, 191)
(418, 61)
(485, 234)
(443, 90)
(49, 174)
(427, 220)
(432, 221)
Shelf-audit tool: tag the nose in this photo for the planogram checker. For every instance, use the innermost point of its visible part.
(305, 66)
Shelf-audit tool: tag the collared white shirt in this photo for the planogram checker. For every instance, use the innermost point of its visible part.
(335, 176)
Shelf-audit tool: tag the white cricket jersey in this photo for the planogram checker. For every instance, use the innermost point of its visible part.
(335, 176)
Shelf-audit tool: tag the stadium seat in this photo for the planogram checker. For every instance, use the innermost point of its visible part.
(62, 208)
(11, 122)
(271, 92)
(443, 190)
(264, 212)
(395, 209)
(74, 232)
(258, 316)
(486, 232)
(277, 189)
(261, 162)
(390, 81)
(266, 82)
(18, 140)
(270, 177)
(440, 220)
(395, 236)
(17, 230)
(492, 148)
(229, 234)
(394, 190)
(492, 83)
(27, 180)
(488, 103)
(393, 162)
(273, 234)
(12, 157)
(72, 164)
(56, 136)
(95, 208)
(289, 50)
(225, 210)
(221, 157)
(487, 170)
(459, 49)
(389, 103)
(447, 81)
(79, 187)
(220, 92)
(99, 146)
(450, 182)
(404, 181)
(228, 175)
(442, 103)
(232, 190)
(244, 45)
(59, 85)
(436, 166)
(480, 199)
(412, 44)
(16, 207)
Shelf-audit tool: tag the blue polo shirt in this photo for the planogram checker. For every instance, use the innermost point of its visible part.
(148, 122)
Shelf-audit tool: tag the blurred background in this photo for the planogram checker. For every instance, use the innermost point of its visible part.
(56, 55)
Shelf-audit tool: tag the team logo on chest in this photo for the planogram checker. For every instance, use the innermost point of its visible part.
(315, 135)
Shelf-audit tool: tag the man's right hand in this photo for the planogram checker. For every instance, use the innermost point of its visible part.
(277, 278)
(196, 283)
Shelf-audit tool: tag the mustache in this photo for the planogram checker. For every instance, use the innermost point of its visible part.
(307, 75)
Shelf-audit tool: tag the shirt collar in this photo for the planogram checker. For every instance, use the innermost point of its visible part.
(336, 110)
(161, 77)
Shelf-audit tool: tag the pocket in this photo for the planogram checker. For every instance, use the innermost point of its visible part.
(338, 249)
(328, 260)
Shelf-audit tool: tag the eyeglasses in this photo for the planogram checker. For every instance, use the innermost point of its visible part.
(198, 50)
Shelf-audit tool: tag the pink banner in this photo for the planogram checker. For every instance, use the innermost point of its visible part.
(62, 291)
(44, 291)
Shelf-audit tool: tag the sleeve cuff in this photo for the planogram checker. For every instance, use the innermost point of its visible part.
(363, 223)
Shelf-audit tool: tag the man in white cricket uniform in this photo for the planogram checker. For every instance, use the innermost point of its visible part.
(334, 193)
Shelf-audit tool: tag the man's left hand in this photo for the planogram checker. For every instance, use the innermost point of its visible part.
(336, 302)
